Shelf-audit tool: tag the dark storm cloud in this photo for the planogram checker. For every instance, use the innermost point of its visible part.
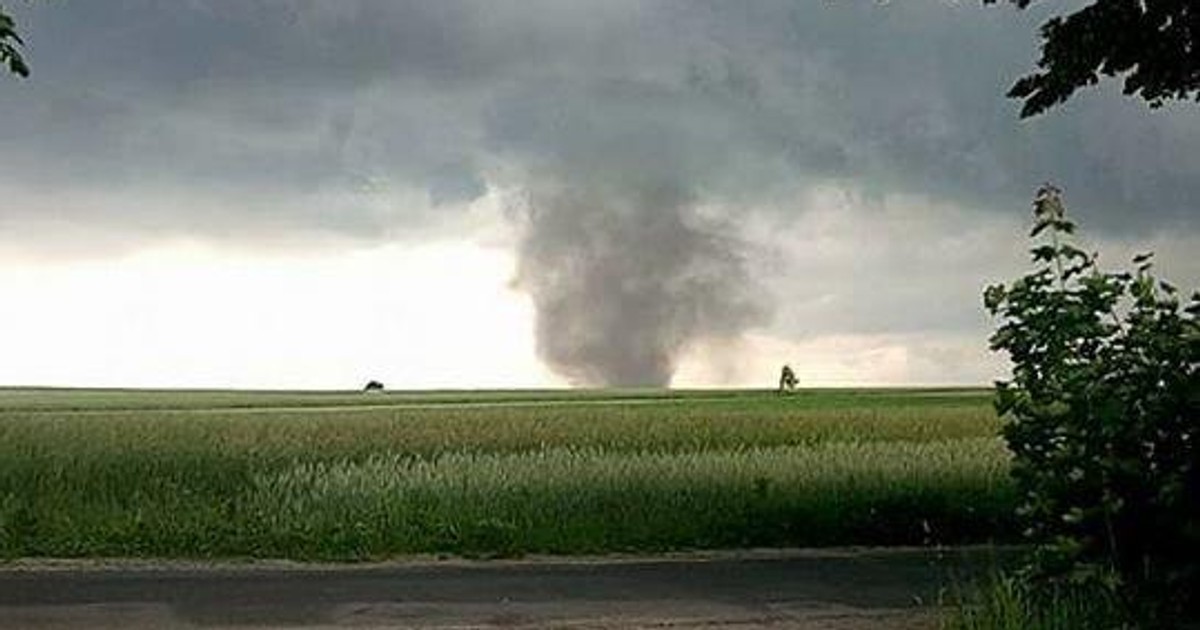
(262, 110)
(285, 97)
(368, 118)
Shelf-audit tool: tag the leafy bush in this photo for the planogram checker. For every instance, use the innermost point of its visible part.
(1102, 419)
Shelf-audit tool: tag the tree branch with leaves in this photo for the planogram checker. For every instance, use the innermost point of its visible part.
(10, 46)
(1154, 45)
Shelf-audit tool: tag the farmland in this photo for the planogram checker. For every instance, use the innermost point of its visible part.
(86, 473)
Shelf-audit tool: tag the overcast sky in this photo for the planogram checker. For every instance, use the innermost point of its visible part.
(305, 193)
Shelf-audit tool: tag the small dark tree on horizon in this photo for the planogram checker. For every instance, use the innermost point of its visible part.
(1155, 46)
(787, 380)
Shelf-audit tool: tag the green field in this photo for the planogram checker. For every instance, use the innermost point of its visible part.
(356, 476)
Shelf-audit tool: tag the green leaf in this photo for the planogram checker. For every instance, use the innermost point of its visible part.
(17, 66)
(994, 296)
(1045, 253)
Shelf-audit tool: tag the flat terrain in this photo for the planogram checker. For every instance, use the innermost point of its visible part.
(843, 589)
(50, 398)
(354, 476)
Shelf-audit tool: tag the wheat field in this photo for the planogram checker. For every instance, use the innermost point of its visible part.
(350, 476)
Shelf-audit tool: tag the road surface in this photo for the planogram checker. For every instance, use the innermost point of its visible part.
(848, 589)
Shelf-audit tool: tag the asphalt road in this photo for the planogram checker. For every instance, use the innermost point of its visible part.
(827, 589)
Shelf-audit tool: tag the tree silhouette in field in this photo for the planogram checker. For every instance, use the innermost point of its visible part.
(10, 46)
(1155, 45)
(787, 380)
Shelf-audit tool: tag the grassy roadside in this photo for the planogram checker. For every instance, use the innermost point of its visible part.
(1005, 602)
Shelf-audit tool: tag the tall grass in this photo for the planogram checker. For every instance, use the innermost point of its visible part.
(571, 500)
(269, 435)
(364, 483)
(1006, 602)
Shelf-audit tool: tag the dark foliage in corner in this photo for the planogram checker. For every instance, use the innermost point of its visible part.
(1103, 418)
(10, 46)
(1154, 45)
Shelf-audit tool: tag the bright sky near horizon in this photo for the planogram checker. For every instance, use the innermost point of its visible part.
(468, 193)
(434, 316)
(185, 315)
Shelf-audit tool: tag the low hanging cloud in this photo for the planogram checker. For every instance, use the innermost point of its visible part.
(647, 138)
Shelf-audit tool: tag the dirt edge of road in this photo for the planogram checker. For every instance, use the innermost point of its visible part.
(982, 552)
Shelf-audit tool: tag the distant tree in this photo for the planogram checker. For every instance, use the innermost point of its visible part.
(787, 379)
(10, 46)
(1154, 44)
(373, 386)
